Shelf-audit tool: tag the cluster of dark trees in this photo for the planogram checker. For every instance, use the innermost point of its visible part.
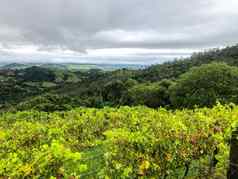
(201, 80)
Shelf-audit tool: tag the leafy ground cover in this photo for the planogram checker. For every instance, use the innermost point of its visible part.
(125, 142)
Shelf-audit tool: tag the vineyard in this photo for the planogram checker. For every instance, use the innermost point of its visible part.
(126, 142)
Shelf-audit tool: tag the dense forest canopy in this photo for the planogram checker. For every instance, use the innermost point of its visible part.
(162, 85)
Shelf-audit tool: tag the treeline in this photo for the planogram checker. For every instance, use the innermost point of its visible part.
(201, 80)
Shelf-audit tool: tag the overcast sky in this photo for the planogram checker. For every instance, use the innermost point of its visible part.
(113, 31)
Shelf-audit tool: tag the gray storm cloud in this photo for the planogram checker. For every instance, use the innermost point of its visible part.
(79, 25)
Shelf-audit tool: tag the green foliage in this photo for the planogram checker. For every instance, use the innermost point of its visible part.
(149, 94)
(28, 150)
(37, 74)
(99, 88)
(52, 102)
(126, 142)
(172, 70)
(205, 85)
(113, 91)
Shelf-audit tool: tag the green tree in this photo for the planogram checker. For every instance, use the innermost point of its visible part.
(113, 91)
(204, 85)
(150, 94)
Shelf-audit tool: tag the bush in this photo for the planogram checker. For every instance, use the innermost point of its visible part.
(205, 85)
(149, 94)
(126, 142)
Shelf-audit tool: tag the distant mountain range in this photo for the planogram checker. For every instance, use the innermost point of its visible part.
(72, 66)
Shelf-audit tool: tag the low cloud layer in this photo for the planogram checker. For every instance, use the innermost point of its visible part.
(83, 26)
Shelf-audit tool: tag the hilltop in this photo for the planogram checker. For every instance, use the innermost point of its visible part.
(45, 86)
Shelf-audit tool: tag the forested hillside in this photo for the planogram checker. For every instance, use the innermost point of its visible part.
(173, 120)
(175, 68)
(51, 89)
